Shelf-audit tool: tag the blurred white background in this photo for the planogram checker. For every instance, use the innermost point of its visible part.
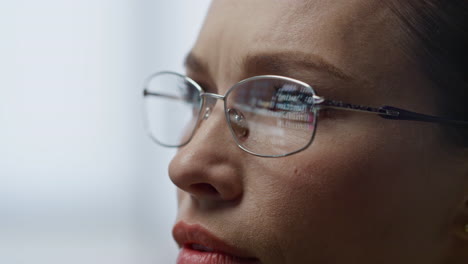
(79, 180)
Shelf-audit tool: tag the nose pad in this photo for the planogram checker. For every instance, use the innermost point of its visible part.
(208, 106)
(238, 123)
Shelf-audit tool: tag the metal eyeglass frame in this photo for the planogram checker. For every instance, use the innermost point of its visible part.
(208, 100)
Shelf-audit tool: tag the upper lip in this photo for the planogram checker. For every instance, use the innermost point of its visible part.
(188, 235)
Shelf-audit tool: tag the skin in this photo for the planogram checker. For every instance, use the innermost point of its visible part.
(368, 190)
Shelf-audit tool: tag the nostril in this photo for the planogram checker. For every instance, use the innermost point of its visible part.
(203, 189)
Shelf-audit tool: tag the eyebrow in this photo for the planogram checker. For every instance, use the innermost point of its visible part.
(276, 63)
(195, 64)
(286, 62)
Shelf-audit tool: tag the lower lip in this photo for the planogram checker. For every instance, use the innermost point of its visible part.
(190, 256)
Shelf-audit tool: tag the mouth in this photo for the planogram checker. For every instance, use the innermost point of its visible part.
(199, 246)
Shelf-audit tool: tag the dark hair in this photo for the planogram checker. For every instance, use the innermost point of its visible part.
(436, 38)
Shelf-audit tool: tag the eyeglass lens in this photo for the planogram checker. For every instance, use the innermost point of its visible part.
(268, 116)
(172, 108)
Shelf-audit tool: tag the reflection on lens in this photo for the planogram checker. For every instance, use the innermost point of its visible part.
(278, 112)
(172, 106)
(238, 124)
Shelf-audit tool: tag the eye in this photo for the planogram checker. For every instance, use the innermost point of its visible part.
(188, 92)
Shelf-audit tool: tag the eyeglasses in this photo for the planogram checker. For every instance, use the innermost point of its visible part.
(268, 116)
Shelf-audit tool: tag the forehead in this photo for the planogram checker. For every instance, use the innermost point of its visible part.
(350, 34)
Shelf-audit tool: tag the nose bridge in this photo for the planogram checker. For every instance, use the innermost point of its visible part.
(207, 169)
(210, 100)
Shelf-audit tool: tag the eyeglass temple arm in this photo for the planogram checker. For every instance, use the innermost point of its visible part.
(390, 112)
(147, 93)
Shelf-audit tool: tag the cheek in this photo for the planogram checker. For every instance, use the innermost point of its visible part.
(342, 195)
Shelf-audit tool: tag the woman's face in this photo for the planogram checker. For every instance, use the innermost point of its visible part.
(368, 189)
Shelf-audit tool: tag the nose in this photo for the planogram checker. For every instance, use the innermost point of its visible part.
(210, 166)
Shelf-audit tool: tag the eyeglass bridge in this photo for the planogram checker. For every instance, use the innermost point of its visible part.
(237, 120)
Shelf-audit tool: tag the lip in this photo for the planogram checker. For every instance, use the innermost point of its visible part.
(219, 251)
